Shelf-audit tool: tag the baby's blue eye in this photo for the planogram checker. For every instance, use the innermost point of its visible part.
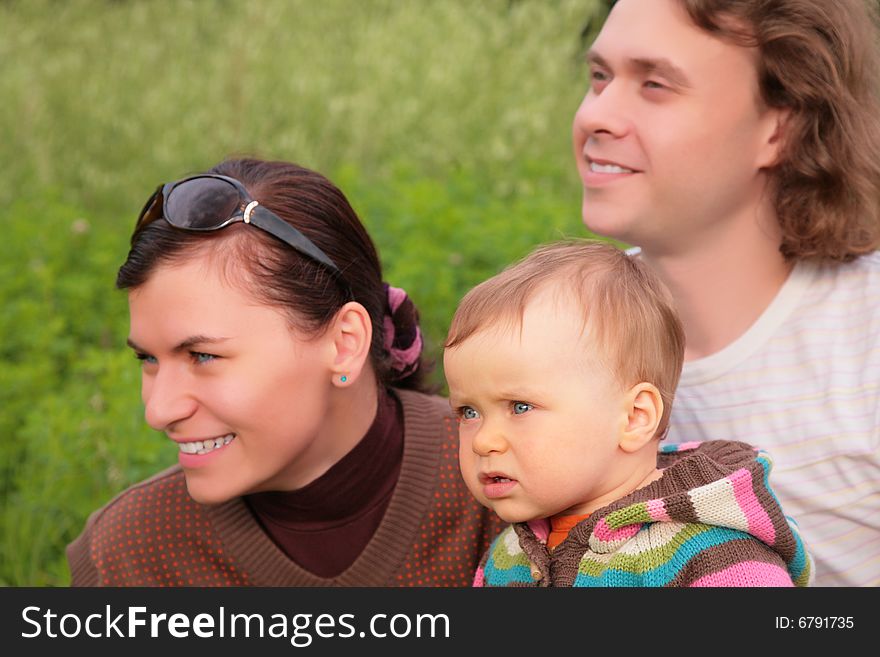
(468, 413)
(521, 407)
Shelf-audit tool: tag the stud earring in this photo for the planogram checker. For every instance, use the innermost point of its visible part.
(343, 378)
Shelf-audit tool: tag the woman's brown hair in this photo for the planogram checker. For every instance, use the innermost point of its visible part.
(281, 277)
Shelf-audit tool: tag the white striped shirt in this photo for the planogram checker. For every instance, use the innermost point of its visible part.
(804, 383)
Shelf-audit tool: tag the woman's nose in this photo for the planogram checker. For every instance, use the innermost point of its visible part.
(167, 398)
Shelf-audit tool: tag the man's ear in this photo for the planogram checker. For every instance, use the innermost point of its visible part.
(644, 406)
(773, 137)
(352, 335)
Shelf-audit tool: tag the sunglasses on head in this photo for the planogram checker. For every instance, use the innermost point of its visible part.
(210, 201)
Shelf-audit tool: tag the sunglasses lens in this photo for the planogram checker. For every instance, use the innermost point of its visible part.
(201, 203)
(152, 209)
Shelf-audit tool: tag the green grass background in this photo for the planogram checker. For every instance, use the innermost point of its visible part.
(445, 122)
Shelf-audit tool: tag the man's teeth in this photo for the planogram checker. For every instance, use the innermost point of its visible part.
(205, 446)
(608, 168)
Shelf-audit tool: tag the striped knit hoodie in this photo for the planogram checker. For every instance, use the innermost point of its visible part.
(710, 520)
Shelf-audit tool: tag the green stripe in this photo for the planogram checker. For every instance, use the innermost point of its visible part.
(502, 558)
(804, 578)
(631, 515)
(646, 560)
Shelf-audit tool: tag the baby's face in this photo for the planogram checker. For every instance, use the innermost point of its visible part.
(539, 415)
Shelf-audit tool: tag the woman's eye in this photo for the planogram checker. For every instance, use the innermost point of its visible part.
(521, 407)
(653, 84)
(468, 413)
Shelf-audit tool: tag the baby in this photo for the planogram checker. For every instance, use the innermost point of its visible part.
(561, 370)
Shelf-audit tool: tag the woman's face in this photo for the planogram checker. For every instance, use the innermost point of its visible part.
(243, 394)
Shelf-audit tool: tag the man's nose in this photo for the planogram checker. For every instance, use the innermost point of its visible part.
(607, 113)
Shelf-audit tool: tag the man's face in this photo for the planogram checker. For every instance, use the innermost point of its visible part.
(671, 140)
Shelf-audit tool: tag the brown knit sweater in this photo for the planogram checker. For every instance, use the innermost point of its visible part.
(433, 532)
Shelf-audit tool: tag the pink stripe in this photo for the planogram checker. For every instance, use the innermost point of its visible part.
(657, 510)
(479, 578)
(693, 444)
(604, 533)
(747, 573)
(760, 524)
(790, 428)
(841, 474)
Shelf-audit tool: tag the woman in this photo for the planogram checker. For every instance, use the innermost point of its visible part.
(290, 377)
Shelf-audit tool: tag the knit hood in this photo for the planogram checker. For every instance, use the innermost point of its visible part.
(717, 484)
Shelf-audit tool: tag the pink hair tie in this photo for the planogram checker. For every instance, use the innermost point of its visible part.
(403, 338)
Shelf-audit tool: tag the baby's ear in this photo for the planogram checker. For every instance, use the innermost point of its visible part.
(644, 406)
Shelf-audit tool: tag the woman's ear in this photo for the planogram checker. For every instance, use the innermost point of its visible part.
(644, 406)
(352, 335)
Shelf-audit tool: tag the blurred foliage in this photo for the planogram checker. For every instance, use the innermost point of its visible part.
(446, 122)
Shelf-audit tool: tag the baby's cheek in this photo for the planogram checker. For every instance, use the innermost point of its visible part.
(469, 472)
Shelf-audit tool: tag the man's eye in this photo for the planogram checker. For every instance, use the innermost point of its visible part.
(653, 84)
(200, 357)
(521, 407)
(599, 80)
(468, 413)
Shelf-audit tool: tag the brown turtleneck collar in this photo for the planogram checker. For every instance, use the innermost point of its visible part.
(325, 525)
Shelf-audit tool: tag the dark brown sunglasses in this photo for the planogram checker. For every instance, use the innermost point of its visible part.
(210, 202)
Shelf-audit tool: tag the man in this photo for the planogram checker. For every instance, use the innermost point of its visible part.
(737, 144)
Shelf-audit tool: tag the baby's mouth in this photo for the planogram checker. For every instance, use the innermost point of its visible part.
(494, 478)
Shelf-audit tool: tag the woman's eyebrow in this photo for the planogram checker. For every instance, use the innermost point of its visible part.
(194, 340)
(185, 345)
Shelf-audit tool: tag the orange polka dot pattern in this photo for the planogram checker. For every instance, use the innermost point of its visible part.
(455, 533)
(156, 535)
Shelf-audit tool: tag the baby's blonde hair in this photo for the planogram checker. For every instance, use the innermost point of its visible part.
(629, 312)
